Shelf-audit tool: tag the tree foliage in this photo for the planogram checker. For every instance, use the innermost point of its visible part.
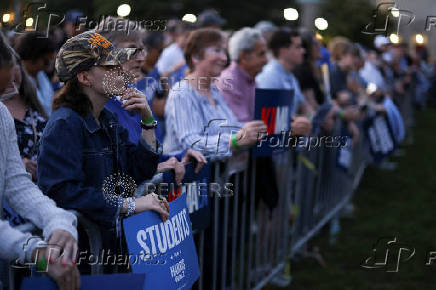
(348, 18)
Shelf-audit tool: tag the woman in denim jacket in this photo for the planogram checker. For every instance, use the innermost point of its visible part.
(86, 162)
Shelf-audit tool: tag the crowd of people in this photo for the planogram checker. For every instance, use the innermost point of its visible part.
(81, 106)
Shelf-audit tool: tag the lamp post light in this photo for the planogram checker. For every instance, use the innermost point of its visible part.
(189, 18)
(394, 38)
(395, 12)
(124, 10)
(290, 14)
(29, 22)
(6, 17)
(419, 38)
(321, 23)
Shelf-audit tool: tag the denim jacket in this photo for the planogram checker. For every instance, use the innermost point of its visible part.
(76, 155)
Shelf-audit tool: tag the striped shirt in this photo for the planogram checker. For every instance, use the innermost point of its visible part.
(192, 122)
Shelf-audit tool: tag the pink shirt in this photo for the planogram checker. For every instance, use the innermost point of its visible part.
(238, 87)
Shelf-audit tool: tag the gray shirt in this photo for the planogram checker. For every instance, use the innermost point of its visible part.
(25, 198)
(192, 122)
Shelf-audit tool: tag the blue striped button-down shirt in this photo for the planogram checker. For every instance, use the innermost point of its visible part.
(192, 122)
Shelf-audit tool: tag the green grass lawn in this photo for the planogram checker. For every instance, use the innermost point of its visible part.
(399, 203)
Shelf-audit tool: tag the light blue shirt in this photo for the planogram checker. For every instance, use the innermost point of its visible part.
(274, 76)
(44, 91)
(170, 56)
(395, 120)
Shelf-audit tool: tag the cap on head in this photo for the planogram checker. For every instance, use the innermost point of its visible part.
(73, 16)
(210, 17)
(86, 50)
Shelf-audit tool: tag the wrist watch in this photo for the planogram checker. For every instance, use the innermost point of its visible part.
(148, 124)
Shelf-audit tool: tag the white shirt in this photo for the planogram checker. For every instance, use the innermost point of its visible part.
(44, 90)
(371, 74)
(170, 56)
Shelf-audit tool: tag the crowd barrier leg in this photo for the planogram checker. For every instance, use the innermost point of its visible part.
(224, 241)
(215, 231)
(235, 229)
(242, 230)
(251, 223)
(277, 222)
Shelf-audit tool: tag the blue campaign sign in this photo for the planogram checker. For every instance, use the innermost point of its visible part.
(274, 107)
(195, 186)
(164, 251)
(380, 135)
(90, 282)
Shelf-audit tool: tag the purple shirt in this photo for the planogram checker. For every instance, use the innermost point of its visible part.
(237, 88)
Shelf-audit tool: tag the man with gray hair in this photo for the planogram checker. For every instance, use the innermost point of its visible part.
(247, 49)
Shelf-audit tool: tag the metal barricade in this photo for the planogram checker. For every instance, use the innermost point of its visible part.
(247, 244)
(251, 243)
